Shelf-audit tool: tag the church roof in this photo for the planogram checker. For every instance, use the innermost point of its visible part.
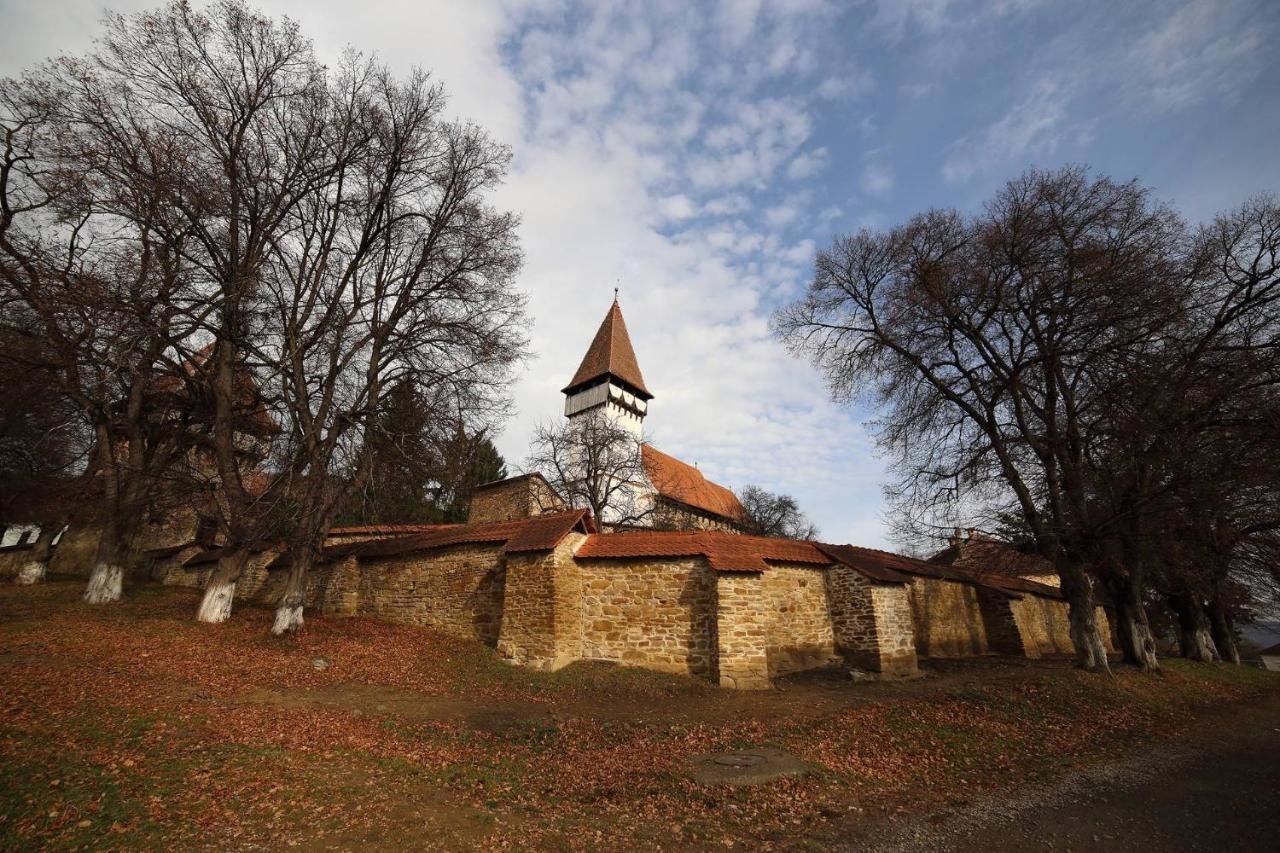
(682, 482)
(610, 354)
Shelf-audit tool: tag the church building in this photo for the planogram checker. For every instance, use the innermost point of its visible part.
(608, 383)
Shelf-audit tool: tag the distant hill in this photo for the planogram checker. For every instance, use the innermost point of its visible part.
(1261, 634)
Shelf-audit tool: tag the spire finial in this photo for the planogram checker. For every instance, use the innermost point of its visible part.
(615, 294)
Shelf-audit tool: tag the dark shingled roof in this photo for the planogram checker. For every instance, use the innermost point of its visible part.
(988, 556)
(214, 554)
(610, 354)
(877, 565)
(870, 559)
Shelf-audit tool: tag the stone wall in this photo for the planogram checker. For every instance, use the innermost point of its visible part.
(742, 629)
(658, 614)
(1005, 634)
(672, 515)
(948, 618)
(541, 614)
(871, 622)
(75, 552)
(799, 634)
(457, 590)
(518, 497)
(13, 558)
(254, 585)
(1043, 624)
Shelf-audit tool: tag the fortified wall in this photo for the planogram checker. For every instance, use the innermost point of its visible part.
(546, 590)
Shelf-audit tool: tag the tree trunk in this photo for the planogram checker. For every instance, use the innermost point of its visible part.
(1137, 646)
(33, 571)
(106, 581)
(1223, 632)
(289, 612)
(1194, 640)
(220, 589)
(1086, 637)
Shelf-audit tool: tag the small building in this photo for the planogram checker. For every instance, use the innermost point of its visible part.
(974, 552)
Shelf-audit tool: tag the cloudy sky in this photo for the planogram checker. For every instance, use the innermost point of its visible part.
(696, 154)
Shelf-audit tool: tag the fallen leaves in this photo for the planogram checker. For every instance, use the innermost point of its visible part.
(135, 721)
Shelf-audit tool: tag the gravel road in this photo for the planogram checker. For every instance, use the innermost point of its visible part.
(1221, 794)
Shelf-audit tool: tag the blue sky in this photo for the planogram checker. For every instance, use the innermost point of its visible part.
(697, 154)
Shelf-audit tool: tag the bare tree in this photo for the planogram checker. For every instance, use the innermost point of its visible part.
(90, 268)
(1049, 357)
(596, 464)
(986, 340)
(770, 514)
(394, 270)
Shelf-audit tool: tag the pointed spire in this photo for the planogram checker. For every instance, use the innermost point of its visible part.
(611, 355)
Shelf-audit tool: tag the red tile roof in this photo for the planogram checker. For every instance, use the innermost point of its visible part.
(726, 552)
(544, 532)
(540, 533)
(683, 483)
(386, 529)
(610, 354)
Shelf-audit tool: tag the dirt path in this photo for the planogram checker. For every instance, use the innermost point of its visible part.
(1222, 794)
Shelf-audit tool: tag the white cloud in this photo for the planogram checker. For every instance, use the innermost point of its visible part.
(806, 164)
(1203, 48)
(1035, 126)
(877, 179)
(677, 207)
(852, 85)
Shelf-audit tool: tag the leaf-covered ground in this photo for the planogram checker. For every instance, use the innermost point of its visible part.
(132, 726)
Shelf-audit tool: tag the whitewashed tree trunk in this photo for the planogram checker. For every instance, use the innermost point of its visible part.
(32, 572)
(220, 589)
(289, 613)
(288, 618)
(105, 583)
(216, 605)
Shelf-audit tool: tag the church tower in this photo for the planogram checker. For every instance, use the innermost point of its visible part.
(608, 381)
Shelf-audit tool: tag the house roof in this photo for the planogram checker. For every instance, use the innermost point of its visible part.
(991, 556)
(682, 482)
(1270, 651)
(610, 354)
(540, 533)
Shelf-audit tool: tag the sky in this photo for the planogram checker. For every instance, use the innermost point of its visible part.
(696, 155)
